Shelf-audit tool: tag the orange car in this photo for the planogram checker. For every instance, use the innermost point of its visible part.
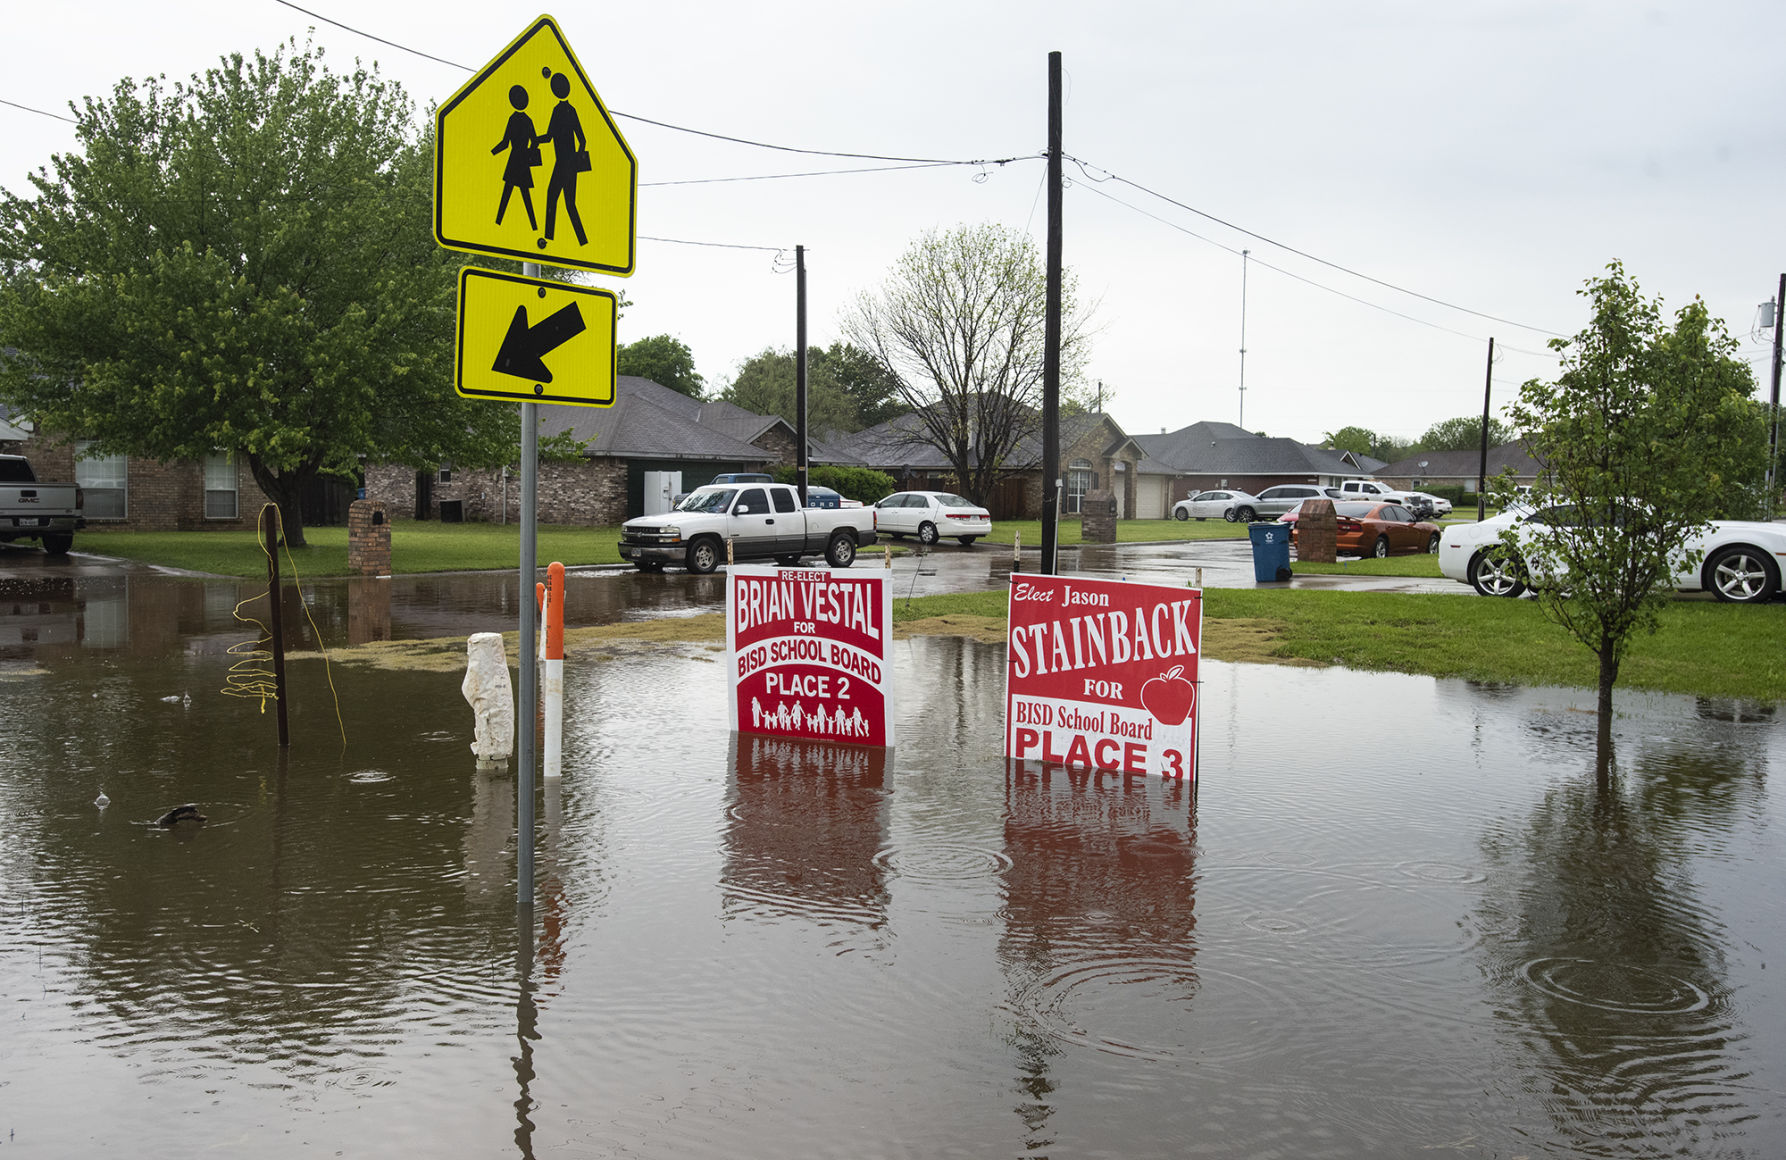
(1375, 529)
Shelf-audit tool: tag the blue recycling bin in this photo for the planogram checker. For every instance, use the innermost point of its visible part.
(1271, 552)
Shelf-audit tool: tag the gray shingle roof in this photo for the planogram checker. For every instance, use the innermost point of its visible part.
(650, 421)
(1465, 464)
(1224, 449)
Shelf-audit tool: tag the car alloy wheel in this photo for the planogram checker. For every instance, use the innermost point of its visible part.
(1741, 576)
(1496, 574)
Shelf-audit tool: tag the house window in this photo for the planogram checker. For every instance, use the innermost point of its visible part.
(446, 473)
(1079, 481)
(220, 486)
(103, 480)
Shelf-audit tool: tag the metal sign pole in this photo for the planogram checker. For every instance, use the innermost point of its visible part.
(529, 706)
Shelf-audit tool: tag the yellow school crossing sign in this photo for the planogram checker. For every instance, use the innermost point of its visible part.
(528, 163)
(530, 340)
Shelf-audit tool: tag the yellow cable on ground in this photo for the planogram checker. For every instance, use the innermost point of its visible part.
(246, 678)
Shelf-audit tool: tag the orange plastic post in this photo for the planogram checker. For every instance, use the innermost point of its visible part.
(555, 613)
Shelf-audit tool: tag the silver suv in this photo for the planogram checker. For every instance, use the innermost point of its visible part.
(1275, 501)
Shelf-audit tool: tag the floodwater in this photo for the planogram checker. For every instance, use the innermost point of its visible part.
(1397, 918)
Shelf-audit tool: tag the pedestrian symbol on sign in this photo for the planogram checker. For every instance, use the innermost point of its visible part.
(532, 108)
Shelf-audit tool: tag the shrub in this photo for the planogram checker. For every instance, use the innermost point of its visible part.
(859, 483)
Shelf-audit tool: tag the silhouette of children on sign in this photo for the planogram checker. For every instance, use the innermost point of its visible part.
(570, 156)
(524, 154)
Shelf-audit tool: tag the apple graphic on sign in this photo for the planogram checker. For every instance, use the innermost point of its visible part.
(1169, 696)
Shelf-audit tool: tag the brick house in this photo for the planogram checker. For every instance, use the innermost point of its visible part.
(128, 491)
(1095, 453)
(1211, 455)
(650, 445)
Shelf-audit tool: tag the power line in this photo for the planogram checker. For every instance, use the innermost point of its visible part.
(1280, 269)
(1299, 253)
(39, 112)
(818, 173)
(663, 124)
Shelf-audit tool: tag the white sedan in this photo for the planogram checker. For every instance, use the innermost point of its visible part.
(931, 515)
(1210, 505)
(1740, 560)
(1441, 505)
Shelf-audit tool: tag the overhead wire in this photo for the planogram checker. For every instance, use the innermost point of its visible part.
(1086, 166)
(908, 162)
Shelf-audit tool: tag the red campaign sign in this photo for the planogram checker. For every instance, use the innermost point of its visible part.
(1103, 674)
(807, 650)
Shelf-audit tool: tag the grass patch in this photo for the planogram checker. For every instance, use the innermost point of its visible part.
(1703, 648)
(1423, 566)
(416, 546)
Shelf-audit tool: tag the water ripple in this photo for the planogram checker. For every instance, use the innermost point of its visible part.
(943, 862)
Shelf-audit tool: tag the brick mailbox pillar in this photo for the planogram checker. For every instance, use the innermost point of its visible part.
(1097, 513)
(368, 538)
(1315, 532)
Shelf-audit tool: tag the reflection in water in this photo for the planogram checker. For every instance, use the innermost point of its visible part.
(1608, 960)
(757, 947)
(1098, 942)
(805, 822)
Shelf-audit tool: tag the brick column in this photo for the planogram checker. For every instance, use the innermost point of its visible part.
(1314, 534)
(1098, 517)
(368, 538)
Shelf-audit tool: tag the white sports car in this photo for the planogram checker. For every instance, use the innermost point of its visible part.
(1740, 560)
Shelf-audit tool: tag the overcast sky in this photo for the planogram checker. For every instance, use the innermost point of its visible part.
(1482, 157)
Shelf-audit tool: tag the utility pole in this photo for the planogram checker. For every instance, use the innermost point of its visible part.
(1243, 257)
(1773, 414)
(1051, 335)
(1488, 383)
(801, 465)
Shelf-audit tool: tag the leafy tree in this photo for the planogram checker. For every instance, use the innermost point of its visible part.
(870, 384)
(766, 384)
(1357, 440)
(243, 262)
(665, 360)
(1465, 434)
(1643, 433)
(1363, 441)
(960, 321)
(847, 389)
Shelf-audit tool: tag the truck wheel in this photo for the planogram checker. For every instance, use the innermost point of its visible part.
(840, 552)
(788, 561)
(703, 555)
(927, 533)
(58, 543)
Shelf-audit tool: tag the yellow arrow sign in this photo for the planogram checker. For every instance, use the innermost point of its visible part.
(534, 341)
(528, 163)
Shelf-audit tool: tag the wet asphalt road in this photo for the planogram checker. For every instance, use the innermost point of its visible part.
(941, 569)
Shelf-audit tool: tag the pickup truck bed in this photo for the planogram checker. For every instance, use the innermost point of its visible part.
(29, 510)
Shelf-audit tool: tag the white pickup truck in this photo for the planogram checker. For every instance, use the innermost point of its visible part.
(29, 510)
(1371, 489)
(759, 520)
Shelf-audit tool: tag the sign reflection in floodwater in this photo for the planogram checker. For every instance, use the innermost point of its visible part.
(1396, 918)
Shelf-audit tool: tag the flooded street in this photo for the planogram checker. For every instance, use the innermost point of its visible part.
(1397, 918)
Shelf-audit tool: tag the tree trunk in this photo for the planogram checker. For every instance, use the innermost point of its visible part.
(1609, 675)
(285, 489)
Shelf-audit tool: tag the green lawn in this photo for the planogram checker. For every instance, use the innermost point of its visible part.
(415, 547)
(1703, 648)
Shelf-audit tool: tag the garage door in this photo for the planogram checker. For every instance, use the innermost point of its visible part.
(1150, 497)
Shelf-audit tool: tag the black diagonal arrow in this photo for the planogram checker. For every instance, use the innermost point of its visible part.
(524, 347)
